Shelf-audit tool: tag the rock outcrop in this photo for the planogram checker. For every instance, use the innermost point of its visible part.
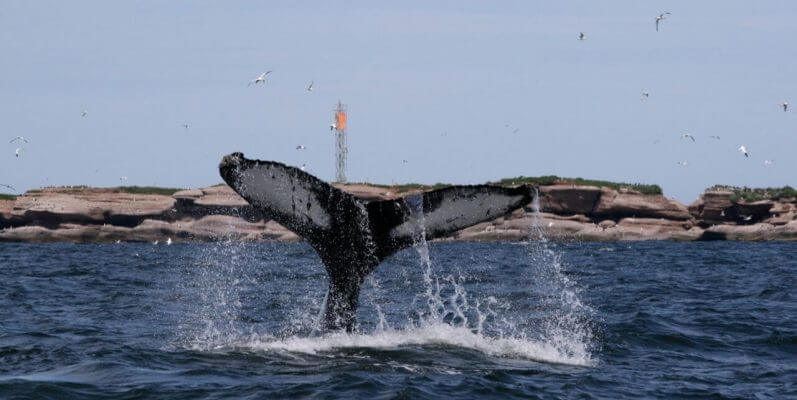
(567, 212)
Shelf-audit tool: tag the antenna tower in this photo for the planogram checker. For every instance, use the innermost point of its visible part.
(339, 127)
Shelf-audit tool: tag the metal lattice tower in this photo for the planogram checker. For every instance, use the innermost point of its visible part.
(340, 143)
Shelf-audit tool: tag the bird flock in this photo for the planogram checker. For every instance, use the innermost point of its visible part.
(20, 142)
(658, 20)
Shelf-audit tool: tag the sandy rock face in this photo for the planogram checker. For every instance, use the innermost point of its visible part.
(569, 199)
(52, 207)
(618, 205)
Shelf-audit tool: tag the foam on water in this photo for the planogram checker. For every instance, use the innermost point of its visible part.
(429, 335)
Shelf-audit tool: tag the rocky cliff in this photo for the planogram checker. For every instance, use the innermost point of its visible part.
(218, 213)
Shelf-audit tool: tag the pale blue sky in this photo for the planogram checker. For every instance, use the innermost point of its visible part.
(409, 72)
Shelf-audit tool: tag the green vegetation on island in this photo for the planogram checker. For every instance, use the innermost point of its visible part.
(749, 195)
(148, 190)
(4, 196)
(548, 180)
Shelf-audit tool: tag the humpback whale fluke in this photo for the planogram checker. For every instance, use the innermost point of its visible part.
(351, 235)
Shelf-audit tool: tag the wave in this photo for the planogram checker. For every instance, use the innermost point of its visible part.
(437, 334)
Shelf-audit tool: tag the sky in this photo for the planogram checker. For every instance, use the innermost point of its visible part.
(464, 91)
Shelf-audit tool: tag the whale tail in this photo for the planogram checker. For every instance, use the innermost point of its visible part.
(351, 235)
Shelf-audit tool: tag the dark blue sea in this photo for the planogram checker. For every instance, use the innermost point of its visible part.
(712, 320)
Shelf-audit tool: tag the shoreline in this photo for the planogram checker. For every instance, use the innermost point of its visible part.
(566, 212)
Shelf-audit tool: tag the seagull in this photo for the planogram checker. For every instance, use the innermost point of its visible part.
(682, 163)
(333, 126)
(404, 161)
(8, 186)
(686, 135)
(18, 151)
(660, 18)
(303, 167)
(581, 36)
(122, 179)
(747, 218)
(715, 137)
(168, 241)
(744, 150)
(310, 87)
(785, 106)
(186, 126)
(645, 94)
(84, 114)
(301, 147)
(516, 130)
(259, 79)
(768, 162)
(22, 138)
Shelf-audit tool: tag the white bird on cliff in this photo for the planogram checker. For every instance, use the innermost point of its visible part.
(582, 36)
(303, 167)
(785, 106)
(260, 79)
(660, 18)
(744, 150)
(168, 241)
(8, 186)
(686, 135)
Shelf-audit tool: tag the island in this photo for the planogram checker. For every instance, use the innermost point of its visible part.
(568, 209)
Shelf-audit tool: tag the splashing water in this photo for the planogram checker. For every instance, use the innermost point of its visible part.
(442, 312)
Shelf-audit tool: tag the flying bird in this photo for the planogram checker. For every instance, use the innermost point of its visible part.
(715, 137)
(122, 179)
(301, 147)
(660, 18)
(18, 151)
(768, 162)
(310, 87)
(84, 114)
(260, 79)
(785, 106)
(744, 150)
(8, 186)
(682, 163)
(645, 94)
(303, 167)
(186, 126)
(22, 138)
(581, 36)
(333, 126)
(686, 135)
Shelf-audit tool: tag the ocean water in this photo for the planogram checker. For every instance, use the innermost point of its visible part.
(444, 320)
